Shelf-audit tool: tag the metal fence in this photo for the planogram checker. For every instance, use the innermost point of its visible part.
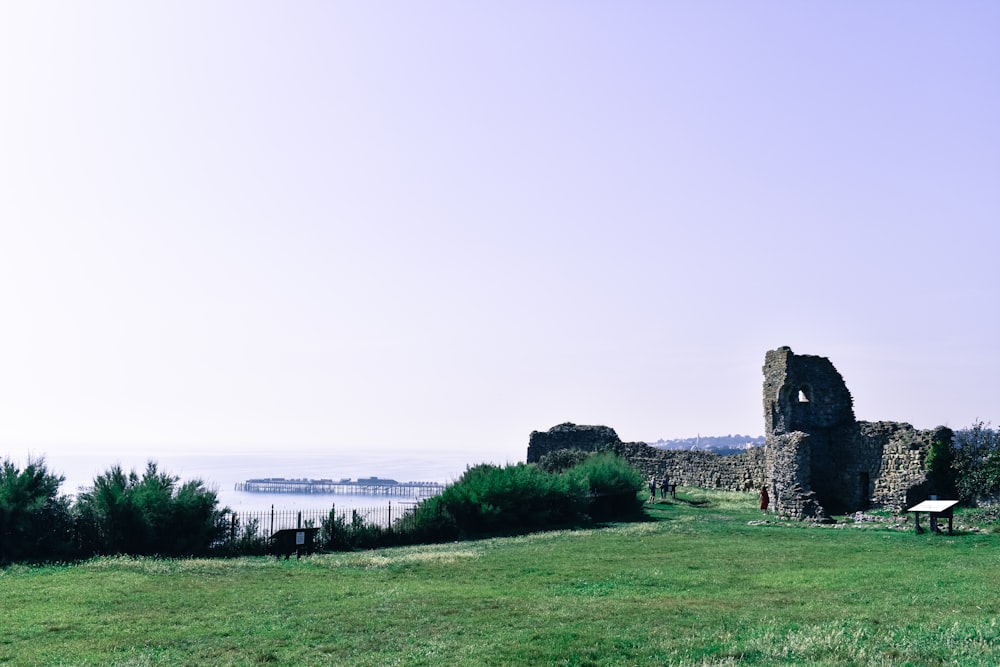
(395, 516)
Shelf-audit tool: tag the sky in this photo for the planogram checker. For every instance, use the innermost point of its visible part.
(365, 226)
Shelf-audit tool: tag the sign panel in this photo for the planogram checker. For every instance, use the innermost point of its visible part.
(933, 506)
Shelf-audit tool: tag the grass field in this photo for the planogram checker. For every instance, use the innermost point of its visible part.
(695, 585)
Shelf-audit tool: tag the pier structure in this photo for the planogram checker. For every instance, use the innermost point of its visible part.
(370, 486)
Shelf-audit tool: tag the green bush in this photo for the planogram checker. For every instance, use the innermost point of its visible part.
(431, 522)
(244, 540)
(35, 522)
(489, 499)
(339, 534)
(940, 465)
(562, 459)
(127, 514)
(614, 486)
(976, 464)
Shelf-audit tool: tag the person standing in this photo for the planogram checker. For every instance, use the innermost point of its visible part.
(765, 500)
(652, 488)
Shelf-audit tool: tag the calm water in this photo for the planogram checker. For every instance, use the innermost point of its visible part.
(222, 472)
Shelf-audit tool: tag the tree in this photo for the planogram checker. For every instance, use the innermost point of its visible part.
(977, 464)
(35, 522)
(941, 464)
(489, 499)
(614, 486)
(562, 459)
(127, 514)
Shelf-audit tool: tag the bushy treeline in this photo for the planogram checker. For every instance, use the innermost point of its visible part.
(975, 463)
(490, 499)
(965, 465)
(36, 523)
(569, 488)
(123, 513)
(154, 514)
(151, 514)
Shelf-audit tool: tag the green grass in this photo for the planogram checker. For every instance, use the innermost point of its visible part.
(695, 585)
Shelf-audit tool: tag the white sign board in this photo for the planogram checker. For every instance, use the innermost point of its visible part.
(933, 506)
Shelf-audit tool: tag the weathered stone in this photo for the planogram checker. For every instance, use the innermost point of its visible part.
(817, 459)
(817, 450)
(743, 472)
(570, 436)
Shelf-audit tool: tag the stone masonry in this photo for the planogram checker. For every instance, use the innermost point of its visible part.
(820, 460)
(817, 459)
(739, 472)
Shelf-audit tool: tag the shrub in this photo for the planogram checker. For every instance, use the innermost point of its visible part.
(339, 534)
(108, 521)
(488, 499)
(614, 486)
(940, 465)
(976, 464)
(35, 522)
(432, 522)
(125, 514)
(245, 540)
(562, 459)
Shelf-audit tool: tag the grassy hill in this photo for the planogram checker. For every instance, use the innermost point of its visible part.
(700, 583)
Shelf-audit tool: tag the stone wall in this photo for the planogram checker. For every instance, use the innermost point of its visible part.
(738, 472)
(787, 460)
(570, 436)
(821, 460)
(707, 470)
(899, 453)
(803, 393)
(817, 459)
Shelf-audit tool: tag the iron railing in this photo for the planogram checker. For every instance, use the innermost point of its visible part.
(391, 516)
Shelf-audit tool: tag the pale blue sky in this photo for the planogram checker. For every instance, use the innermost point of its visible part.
(356, 226)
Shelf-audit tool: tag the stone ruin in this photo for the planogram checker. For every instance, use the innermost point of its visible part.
(817, 460)
(820, 460)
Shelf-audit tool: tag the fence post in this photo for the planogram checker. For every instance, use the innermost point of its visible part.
(299, 525)
(272, 521)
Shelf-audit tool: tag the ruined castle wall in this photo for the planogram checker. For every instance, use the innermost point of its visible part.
(787, 462)
(886, 467)
(900, 452)
(818, 459)
(803, 392)
(737, 472)
(570, 436)
(852, 465)
(707, 470)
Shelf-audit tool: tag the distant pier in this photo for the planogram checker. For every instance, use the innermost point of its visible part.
(364, 486)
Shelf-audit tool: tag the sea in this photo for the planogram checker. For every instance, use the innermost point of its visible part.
(221, 472)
